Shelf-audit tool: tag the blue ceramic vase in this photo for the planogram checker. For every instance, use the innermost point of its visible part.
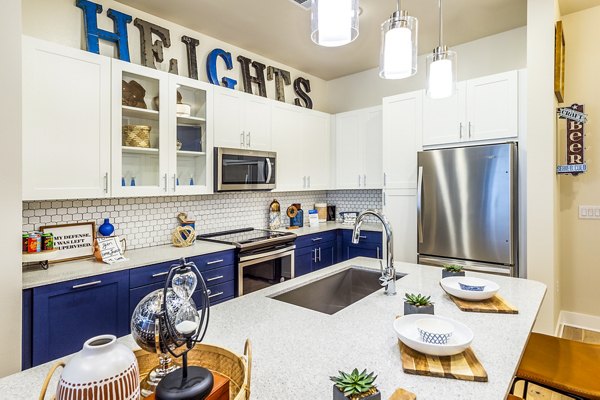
(106, 229)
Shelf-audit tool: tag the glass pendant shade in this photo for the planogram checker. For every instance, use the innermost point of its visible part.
(398, 57)
(334, 22)
(441, 73)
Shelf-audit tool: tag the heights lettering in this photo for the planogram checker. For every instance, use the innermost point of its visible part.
(153, 51)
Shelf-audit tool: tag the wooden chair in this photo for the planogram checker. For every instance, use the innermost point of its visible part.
(564, 366)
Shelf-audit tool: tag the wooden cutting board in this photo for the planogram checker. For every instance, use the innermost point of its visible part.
(496, 304)
(464, 366)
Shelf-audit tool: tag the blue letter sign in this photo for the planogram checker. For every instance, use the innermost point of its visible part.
(93, 33)
(211, 68)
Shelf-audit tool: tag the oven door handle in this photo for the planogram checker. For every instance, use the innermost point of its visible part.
(284, 250)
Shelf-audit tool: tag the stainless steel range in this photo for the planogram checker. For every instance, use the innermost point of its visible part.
(265, 257)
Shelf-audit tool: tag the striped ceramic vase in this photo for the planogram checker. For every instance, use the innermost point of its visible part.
(102, 370)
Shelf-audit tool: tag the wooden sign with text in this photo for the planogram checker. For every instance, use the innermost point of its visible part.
(576, 119)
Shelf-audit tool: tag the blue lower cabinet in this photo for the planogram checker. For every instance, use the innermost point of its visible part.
(66, 314)
(303, 261)
(315, 257)
(27, 324)
(325, 256)
(370, 245)
(218, 293)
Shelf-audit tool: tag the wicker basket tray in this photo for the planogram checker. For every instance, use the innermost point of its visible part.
(217, 359)
(136, 135)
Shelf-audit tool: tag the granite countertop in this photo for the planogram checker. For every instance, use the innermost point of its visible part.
(34, 276)
(295, 349)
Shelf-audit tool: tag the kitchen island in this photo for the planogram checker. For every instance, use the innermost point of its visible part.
(295, 350)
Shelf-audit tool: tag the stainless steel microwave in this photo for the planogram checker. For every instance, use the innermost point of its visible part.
(239, 170)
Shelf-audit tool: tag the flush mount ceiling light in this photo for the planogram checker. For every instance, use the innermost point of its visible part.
(398, 57)
(334, 22)
(441, 69)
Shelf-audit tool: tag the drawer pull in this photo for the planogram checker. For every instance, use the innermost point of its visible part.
(214, 262)
(362, 237)
(160, 274)
(215, 295)
(87, 284)
(317, 239)
(216, 278)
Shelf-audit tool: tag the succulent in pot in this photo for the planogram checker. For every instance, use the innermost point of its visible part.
(453, 270)
(417, 304)
(355, 386)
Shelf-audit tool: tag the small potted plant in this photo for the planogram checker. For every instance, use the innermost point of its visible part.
(417, 304)
(355, 386)
(452, 270)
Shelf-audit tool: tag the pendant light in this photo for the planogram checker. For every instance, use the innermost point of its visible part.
(398, 56)
(334, 22)
(441, 69)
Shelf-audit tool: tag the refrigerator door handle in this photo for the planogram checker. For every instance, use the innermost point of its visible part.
(420, 204)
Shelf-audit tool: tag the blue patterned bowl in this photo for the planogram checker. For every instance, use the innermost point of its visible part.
(472, 284)
(434, 331)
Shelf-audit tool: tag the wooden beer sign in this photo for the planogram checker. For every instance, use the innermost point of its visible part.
(576, 119)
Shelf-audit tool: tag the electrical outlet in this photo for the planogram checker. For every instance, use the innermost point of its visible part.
(589, 212)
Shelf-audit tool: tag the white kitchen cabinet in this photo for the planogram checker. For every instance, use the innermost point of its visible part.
(400, 208)
(483, 109)
(301, 139)
(241, 120)
(66, 122)
(402, 139)
(358, 142)
(493, 106)
(444, 120)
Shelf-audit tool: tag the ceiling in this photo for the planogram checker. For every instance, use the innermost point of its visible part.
(280, 29)
(571, 6)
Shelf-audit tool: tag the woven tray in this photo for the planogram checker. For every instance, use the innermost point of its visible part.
(464, 366)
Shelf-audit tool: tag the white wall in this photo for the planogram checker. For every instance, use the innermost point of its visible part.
(497, 53)
(540, 144)
(10, 199)
(60, 21)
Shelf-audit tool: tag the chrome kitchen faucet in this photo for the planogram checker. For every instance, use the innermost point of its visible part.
(388, 275)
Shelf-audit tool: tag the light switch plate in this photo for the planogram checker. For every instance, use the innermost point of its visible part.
(589, 212)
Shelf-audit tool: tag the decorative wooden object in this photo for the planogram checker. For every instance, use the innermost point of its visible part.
(559, 63)
(464, 366)
(401, 394)
(496, 304)
(133, 94)
(183, 236)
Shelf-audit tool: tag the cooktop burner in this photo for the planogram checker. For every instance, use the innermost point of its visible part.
(248, 237)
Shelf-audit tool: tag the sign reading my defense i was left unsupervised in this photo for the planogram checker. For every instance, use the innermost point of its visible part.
(154, 39)
(575, 118)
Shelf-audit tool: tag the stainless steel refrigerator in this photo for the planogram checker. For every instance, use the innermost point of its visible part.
(467, 208)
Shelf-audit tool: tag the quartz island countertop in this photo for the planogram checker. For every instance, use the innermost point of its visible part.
(295, 350)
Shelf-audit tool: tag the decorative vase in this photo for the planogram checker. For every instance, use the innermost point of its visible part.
(103, 367)
(106, 229)
(412, 309)
(338, 395)
(446, 274)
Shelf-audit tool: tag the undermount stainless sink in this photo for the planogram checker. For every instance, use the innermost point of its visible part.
(335, 292)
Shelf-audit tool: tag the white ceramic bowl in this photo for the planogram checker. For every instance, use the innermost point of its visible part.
(452, 287)
(406, 329)
(434, 330)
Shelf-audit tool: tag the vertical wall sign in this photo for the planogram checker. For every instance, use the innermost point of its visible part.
(93, 33)
(211, 68)
(576, 118)
(282, 79)
(302, 88)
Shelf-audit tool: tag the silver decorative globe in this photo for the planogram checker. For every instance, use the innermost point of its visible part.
(146, 315)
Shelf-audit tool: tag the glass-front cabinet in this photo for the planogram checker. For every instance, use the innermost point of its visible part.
(161, 143)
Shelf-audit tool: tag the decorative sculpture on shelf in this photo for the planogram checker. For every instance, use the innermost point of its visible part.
(133, 94)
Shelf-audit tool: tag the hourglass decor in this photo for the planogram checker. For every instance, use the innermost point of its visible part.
(183, 329)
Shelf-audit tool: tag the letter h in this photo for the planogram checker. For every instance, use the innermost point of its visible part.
(93, 33)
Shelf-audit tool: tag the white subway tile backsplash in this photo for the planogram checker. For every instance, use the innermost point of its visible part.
(149, 221)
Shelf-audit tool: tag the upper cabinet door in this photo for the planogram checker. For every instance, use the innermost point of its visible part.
(257, 122)
(349, 150)
(402, 139)
(492, 107)
(372, 148)
(66, 122)
(190, 140)
(444, 119)
(316, 150)
(140, 127)
(228, 130)
(288, 143)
